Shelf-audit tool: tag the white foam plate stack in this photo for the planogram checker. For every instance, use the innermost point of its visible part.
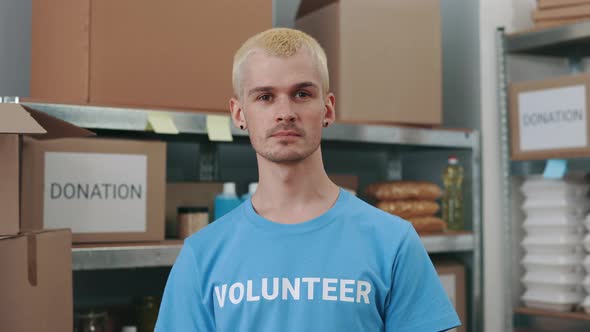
(554, 243)
(586, 282)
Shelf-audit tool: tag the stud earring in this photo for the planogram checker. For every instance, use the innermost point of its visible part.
(242, 127)
(325, 124)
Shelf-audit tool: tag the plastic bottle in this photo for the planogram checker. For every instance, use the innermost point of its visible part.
(251, 190)
(227, 200)
(452, 200)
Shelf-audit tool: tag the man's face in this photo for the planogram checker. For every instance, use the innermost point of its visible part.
(282, 105)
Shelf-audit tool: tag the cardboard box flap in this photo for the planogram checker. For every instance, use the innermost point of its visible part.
(308, 6)
(32, 250)
(15, 120)
(54, 127)
(32, 232)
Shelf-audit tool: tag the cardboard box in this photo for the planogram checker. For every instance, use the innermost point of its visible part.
(545, 4)
(189, 194)
(141, 53)
(549, 118)
(36, 282)
(577, 11)
(543, 24)
(452, 277)
(384, 58)
(104, 190)
(17, 120)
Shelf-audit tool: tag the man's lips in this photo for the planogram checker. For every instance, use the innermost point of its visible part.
(286, 133)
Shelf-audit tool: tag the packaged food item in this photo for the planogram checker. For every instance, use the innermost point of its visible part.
(147, 313)
(226, 201)
(191, 219)
(452, 200)
(407, 209)
(428, 224)
(251, 190)
(404, 190)
(91, 321)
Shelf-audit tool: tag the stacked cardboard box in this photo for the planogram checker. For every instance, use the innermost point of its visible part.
(156, 54)
(552, 13)
(16, 121)
(36, 265)
(452, 277)
(384, 58)
(549, 118)
(36, 282)
(104, 190)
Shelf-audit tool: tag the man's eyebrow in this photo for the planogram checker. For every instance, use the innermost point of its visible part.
(260, 89)
(303, 85)
(297, 86)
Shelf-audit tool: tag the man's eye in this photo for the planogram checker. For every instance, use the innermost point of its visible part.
(265, 97)
(301, 94)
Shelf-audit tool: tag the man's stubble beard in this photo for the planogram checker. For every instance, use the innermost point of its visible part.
(292, 158)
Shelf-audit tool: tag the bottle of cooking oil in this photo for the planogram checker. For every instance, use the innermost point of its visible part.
(452, 200)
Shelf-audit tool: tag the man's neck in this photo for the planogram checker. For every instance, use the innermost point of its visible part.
(294, 193)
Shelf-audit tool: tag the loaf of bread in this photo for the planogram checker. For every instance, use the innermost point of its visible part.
(410, 208)
(404, 190)
(425, 225)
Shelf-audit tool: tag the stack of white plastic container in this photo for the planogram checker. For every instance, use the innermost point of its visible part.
(554, 226)
(586, 303)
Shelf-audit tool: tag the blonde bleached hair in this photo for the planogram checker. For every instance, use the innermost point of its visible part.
(281, 42)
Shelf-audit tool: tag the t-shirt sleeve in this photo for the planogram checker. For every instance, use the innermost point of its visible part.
(417, 300)
(183, 308)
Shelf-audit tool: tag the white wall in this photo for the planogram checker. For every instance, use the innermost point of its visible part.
(15, 47)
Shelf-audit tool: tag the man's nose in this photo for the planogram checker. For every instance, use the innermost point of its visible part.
(285, 111)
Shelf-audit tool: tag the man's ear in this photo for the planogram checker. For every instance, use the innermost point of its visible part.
(330, 109)
(237, 113)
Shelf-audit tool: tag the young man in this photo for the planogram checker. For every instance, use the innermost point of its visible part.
(302, 254)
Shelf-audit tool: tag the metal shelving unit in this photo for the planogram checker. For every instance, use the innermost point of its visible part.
(125, 256)
(97, 117)
(466, 245)
(573, 43)
(562, 41)
(164, 254)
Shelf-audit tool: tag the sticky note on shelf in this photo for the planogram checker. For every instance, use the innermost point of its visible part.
(218, 128)
(161, 123)
(555, 169)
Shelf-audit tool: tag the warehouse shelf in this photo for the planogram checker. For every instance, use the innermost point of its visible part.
(449, 242)
(562, 41)
(112, 256)
(125, 255)
(577, 315)
(98, 117)
(532, 167)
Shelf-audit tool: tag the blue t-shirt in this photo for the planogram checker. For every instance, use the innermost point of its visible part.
(354, 268)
